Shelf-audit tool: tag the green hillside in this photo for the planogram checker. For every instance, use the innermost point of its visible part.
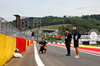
(53, 26)
(84, 23)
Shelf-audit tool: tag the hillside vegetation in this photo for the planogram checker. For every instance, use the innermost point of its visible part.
(53, 26)
(84, 23)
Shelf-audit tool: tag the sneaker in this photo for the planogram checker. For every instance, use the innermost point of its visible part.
(77, 57)
(44, 52)
(68, 55)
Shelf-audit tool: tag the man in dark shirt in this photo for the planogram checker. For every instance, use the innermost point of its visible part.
(43, 46)
(68, 38)
(76, 36)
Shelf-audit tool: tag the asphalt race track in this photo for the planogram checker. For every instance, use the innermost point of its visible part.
(55, 56)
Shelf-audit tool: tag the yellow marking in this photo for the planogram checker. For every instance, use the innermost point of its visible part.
(85, 46)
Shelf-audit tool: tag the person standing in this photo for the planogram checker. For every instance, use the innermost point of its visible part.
(68, 38)
(76, 36)
(32, 35)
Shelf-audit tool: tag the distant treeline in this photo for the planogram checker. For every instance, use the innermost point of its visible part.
(84, 23)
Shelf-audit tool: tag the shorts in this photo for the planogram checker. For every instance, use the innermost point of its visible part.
(42, 48)
(76, 44)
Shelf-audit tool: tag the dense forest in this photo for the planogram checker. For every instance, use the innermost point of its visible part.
(84, 23)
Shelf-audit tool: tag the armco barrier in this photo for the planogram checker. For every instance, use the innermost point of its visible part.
(7, 48)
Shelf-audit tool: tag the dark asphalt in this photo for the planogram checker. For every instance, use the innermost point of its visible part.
(55, 56)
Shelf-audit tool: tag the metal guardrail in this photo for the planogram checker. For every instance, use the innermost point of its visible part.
(7, 28)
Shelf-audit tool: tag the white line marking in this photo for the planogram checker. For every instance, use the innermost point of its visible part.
(37, 58)
(79, 49)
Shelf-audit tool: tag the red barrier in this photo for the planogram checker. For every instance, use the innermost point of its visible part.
(24, 44)
(17, 42)
(28, 43)
(21, 44)
(31, 42)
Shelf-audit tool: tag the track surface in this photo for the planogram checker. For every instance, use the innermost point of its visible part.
(55, 56)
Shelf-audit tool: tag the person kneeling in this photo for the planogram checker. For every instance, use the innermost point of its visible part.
(43, 46)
